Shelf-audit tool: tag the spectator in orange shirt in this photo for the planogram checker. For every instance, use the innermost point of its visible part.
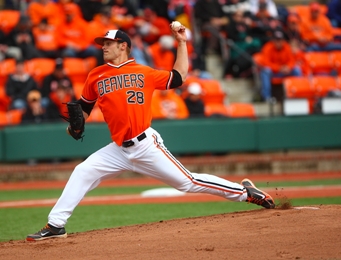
(317, 31)
(166, 104)
(151, 26)
(46, 39)
(40, 9)
(101, 23)
(163, 53)
(73, 36)
(278, 61)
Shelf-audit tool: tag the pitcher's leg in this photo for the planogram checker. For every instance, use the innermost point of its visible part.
(166, 168)
(86, 176)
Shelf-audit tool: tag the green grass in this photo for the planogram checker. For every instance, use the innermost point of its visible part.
(18, 222)
(101, 191)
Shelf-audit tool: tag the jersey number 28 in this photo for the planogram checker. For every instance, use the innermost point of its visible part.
(135, 97)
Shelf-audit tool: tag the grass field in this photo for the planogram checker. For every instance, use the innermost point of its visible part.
(18, 222)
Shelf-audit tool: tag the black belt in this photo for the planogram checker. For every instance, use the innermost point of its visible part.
(129, 143)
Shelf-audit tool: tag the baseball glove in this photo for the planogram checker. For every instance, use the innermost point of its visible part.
(76, 120)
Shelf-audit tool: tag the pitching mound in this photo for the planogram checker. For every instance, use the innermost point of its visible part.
(284, 233)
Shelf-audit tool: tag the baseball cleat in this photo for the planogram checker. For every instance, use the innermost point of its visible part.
(257, 196)
(47, 232)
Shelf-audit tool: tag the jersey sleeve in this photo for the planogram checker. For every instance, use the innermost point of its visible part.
(162, 79)
(89, 94)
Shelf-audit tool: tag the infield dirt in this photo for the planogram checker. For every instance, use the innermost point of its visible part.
(295, 233)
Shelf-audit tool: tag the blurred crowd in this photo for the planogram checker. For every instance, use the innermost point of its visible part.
(245, 33)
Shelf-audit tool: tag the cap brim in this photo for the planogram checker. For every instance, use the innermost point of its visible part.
(99, 40)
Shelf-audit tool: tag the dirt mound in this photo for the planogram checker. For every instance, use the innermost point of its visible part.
(296, 233)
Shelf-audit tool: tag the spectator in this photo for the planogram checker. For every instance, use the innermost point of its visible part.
(262, 23)
(139, 49)
(212, 22)
(18, 85)
(123, 13)
(151, 26)
(232, 6)
(73, 36)
(101, 23)
(22, 37)
(278, 61)
(292, 30)
(193, 100)
(36, 113)
(243, 46)
(56, 79)
(334, 12)
(163, 53)
(268, 5)
(166, 104)
(90, 8)
(61, 96)
(40, 9)
(7, 51)
(46, 40)
(317, 31)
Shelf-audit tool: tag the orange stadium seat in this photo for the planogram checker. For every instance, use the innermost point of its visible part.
(8, 20)
(39, 68)
(77, 69)
(215, 109)
(323, 84)
(241, 110)
(298, 87)
(7, 67)
(11, 117)
(96, 115)
(319, 62)
(77, 89)
(212, 91)
(336, 61)
(4, 99)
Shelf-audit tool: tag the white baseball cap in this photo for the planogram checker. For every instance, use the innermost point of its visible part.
(115, 35)
(194, 88)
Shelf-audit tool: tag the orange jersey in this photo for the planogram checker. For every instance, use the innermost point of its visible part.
(124, 94)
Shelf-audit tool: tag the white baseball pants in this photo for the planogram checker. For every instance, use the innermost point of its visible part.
(149, 157)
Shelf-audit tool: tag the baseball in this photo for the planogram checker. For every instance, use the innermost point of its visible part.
(176, 25)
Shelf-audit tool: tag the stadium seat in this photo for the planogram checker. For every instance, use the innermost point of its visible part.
(7, 67)
(4, 99)
(319, 62)
(77, 69)
(8, 20)
(77, 89)
(96, 115)
(212, 91)
(323, 84)
(336, 61)
(39, 68)
(212, 109)
(299, 88)
(11, 117)
(241, 110)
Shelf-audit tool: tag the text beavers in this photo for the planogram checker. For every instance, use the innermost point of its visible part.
(118, 82)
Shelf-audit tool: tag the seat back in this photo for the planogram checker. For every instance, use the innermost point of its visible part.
(241, 110)
(213, 109)
(39, 68)
(7, 67)
(77, 69)
(336, 61)
(319, 62)
(8, 20)
(323, 84)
